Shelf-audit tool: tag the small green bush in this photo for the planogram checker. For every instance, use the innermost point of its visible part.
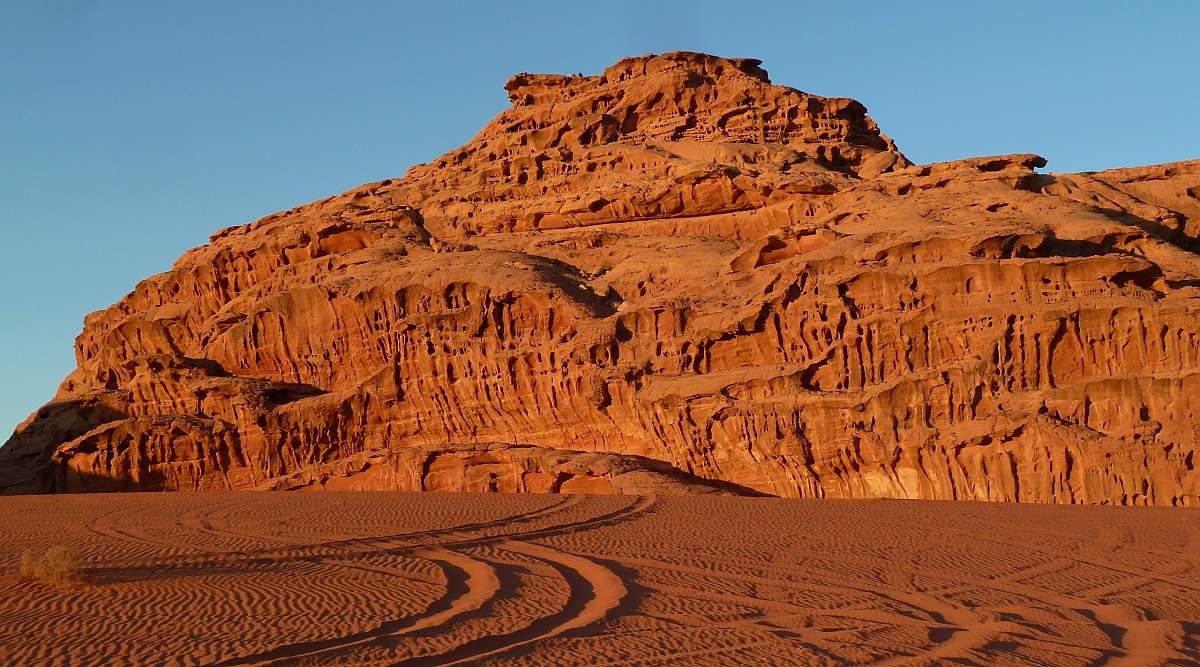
(59, 566)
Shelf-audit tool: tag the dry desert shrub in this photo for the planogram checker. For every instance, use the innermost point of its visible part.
(29, 562)
(59, 566)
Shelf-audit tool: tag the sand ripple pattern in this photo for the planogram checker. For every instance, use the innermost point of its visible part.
(456, 579)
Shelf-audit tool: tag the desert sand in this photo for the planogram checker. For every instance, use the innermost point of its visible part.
(444, 578)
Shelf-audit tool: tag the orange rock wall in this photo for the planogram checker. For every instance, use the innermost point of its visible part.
(674, 260)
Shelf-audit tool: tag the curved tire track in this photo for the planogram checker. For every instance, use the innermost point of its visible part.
(472, 583)
(595, 591)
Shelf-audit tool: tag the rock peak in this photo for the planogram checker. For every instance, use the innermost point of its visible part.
(670, 272)
(676, 101)
(527, 88)
(714, 66)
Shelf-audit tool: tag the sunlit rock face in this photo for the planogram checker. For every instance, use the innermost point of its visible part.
(671, 277)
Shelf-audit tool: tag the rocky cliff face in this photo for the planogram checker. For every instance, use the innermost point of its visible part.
(675, 276)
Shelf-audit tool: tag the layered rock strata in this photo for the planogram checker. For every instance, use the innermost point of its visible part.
(674, 260)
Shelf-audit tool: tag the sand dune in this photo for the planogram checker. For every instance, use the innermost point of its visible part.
(440, 579)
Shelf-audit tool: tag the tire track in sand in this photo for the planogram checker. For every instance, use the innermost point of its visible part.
(595, 591)
(285, 551)
(472, 583)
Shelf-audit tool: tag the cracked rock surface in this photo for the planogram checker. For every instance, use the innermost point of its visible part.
(671, 277)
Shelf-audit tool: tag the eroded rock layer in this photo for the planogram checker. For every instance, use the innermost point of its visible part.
(679, 261)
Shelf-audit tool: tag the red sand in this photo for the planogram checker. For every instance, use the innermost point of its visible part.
(394, 578)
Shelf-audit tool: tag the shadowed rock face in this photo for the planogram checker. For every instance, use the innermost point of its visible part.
(678, 261)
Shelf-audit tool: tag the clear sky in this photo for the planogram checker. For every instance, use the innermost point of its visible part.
(129, 131)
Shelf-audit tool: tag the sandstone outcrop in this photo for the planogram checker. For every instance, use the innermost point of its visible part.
(679, 261)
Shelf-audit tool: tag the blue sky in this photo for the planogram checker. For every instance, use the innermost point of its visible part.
(131, 131)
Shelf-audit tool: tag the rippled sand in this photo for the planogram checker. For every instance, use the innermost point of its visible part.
(391, 578)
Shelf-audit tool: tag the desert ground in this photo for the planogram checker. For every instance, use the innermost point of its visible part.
(442, 578)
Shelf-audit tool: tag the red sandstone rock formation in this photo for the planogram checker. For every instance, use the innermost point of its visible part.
(674, 260)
